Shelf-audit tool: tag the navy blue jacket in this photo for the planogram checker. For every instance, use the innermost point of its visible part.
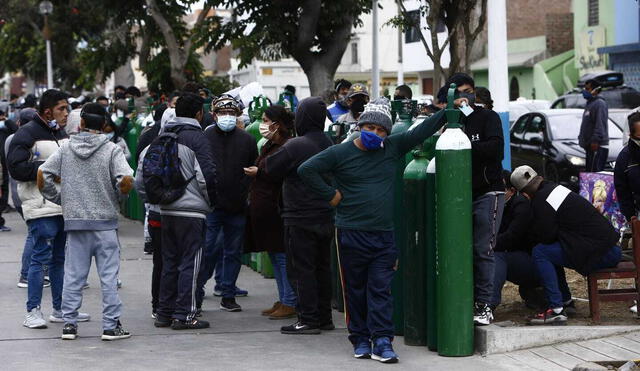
(594, 127)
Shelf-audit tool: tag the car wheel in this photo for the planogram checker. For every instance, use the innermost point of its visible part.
(551, 173)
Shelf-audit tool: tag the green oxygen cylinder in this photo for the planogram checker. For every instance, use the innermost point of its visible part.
(414, 280)
(431, 246)
(258, 106)
(402, 124)
(455, 238)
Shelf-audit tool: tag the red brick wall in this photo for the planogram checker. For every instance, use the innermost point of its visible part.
(526, 18)
(559, 31)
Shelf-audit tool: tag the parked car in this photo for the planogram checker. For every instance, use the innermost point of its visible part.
(521, 106)
(614, 92)
(547, 140)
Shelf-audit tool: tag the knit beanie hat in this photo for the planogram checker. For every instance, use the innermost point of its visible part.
(377, 112)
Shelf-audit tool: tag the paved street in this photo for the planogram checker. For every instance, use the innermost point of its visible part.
(235, 341)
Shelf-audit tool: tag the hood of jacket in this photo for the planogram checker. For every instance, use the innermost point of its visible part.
(84, 144)
(310, 115)
(180, 121)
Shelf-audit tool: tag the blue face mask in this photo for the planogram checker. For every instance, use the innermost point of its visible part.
(586, 95)
(371, 141)
(226, 123)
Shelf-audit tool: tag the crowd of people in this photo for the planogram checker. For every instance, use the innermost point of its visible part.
(212, 195)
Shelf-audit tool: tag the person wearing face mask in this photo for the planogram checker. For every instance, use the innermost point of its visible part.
(363, 172)
(340, 106)
(594, 130)
(308, 221)
(627, 171)
(111, 131)
(484, 129)
(265, 229)
(513, 251)
(357, 98)
(30, 147)
(233, 150)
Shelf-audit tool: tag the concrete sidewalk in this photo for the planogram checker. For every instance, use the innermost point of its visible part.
(235, 341)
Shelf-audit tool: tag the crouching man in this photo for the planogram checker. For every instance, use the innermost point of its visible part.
(572, 234)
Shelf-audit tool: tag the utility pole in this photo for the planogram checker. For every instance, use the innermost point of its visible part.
(498, 68)
(46, 8)
(375, 68)
(400, 70)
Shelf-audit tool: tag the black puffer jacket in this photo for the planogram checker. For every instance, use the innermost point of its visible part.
(301, 205)
(564, 216)
(627, 179)
(232, 152)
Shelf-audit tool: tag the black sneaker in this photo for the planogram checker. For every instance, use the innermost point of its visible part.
(549, 317)
(194, 324)
(482, 314)
(230, 305)
(570, 308)
(69, 331)
(327, 326)
(115, 334)
(300, 329)
(148, 248)
(162, 321)
(199, 312)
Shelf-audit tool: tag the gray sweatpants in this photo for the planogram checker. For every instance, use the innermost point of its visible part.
(81, 247)
(487, 215)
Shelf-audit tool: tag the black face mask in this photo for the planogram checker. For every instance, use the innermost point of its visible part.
(357, 106)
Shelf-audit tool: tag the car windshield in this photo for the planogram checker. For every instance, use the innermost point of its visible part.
(567, 127)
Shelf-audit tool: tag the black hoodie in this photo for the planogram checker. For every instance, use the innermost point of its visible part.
(301, 205)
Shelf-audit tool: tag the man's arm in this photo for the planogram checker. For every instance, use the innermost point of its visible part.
(419, 133)
(493, 146)
(311, 173)
(19, 161)
(545, 224)
(139, 180)
(48, 175)
(623, 191)
(277, 165)
(205, 168)
(121, 172)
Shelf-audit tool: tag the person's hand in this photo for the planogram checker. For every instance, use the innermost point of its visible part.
(594, 147)
(458, 102)
(57, 179)
(336, 199)
(251, 171)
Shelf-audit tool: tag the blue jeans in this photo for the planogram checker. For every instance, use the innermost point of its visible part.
(49, 241)
(228, 250)
(26, 255)
(285, 292)
(548, 258)
(516, 267)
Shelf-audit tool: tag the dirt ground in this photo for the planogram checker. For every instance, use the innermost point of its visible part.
(611, 313)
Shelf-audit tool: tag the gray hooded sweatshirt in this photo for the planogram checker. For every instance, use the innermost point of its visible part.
(91, 169)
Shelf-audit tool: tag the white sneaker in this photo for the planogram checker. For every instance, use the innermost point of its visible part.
(634, 307)
(56, 317)
(482, 314)
(34, 319)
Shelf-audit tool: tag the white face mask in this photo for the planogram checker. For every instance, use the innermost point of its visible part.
(265, 131)
(226, 123)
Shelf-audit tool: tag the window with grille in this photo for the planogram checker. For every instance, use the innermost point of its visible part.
(593, 12)
(354, 53)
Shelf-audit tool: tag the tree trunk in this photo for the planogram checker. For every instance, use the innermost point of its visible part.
(319, 75)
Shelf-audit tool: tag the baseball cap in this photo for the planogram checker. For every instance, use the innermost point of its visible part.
(522, 176)
(356, 89)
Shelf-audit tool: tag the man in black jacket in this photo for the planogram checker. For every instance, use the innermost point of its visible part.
(627, 171)
(484, 129)
(571, 233)
(308, 221)
(233, 150)
(7, 127)
(594, 130)
(513, 248)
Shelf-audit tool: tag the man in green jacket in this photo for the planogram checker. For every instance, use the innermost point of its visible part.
(363, 171)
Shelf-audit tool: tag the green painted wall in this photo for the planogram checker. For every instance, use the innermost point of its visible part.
(523, 74)
(606, 18)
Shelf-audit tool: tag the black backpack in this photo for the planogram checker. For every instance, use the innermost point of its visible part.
(163, 179)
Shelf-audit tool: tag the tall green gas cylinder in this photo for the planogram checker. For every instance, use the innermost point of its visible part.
(431, 254)
(414, 277)
(455, 238)
(402, 124)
